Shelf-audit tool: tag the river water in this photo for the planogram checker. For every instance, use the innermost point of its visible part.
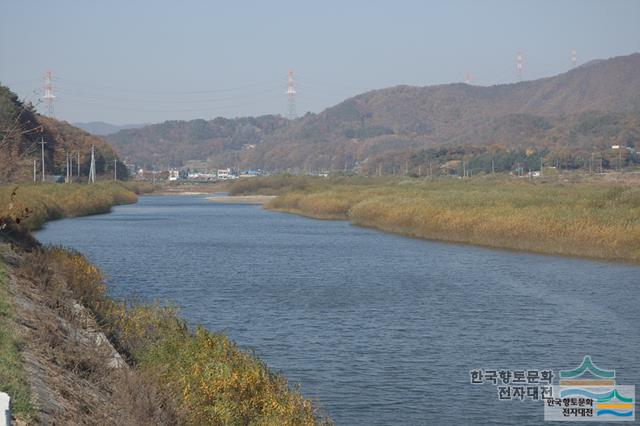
(376, 328)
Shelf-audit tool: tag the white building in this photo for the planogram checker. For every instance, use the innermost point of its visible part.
(174, 175)
(224, 173)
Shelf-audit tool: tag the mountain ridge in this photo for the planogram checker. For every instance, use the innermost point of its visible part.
(603, 93)
(101, 128)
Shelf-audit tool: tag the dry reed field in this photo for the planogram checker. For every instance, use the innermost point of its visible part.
(583, 217)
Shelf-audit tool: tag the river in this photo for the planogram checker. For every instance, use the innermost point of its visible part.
(376, 328)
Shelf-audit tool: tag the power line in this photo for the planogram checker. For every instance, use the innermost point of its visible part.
(103, 105)
(162, 92)
(30, 81)
(89, 95)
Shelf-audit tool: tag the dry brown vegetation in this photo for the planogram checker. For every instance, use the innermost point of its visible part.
(75, 375)
(33, 204)
(169, 374)
(584, 218)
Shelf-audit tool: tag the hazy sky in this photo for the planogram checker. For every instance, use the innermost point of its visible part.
(148, 61)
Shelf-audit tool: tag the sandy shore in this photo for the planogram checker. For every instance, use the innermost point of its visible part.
(242, 199)
(180, 193)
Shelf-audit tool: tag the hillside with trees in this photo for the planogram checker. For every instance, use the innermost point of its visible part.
(22, 128)
(586, 109)
(172, 143)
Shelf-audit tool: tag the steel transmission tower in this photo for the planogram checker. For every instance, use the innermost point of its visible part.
(291, 97)
(574, 57)
(519, 64)
(48, 93)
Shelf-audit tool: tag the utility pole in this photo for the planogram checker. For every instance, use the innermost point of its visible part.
(34, 170)
(464, 170)
(620, 158)
(420, 170)
(78, 165)
(92, 168)
(115, 169)
(66, 179)
(591, 164)
(493, 166)
(430, 173)
(406, 167)
(42, 143)
(541, 165)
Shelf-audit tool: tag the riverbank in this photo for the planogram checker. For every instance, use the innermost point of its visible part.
(242, 199)
(31, 205)
(87, 358)
(582, 218)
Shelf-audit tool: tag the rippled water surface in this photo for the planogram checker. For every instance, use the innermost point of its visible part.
(378, 328)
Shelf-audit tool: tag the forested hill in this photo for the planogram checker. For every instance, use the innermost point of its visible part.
(21, 128)
(173, 142)
(595, 104)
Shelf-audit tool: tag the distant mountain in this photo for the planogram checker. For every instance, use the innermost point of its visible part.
(101, 128)
(21, 129)
(172, 143)
(595, 104)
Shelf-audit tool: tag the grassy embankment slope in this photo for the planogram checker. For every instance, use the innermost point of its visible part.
(205, 376)
(584, 218)
(12, 376)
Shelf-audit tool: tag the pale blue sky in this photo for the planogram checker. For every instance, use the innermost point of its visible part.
(148, 61)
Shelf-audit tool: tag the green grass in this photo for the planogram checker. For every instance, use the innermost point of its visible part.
(12, 376)
(583, 218)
